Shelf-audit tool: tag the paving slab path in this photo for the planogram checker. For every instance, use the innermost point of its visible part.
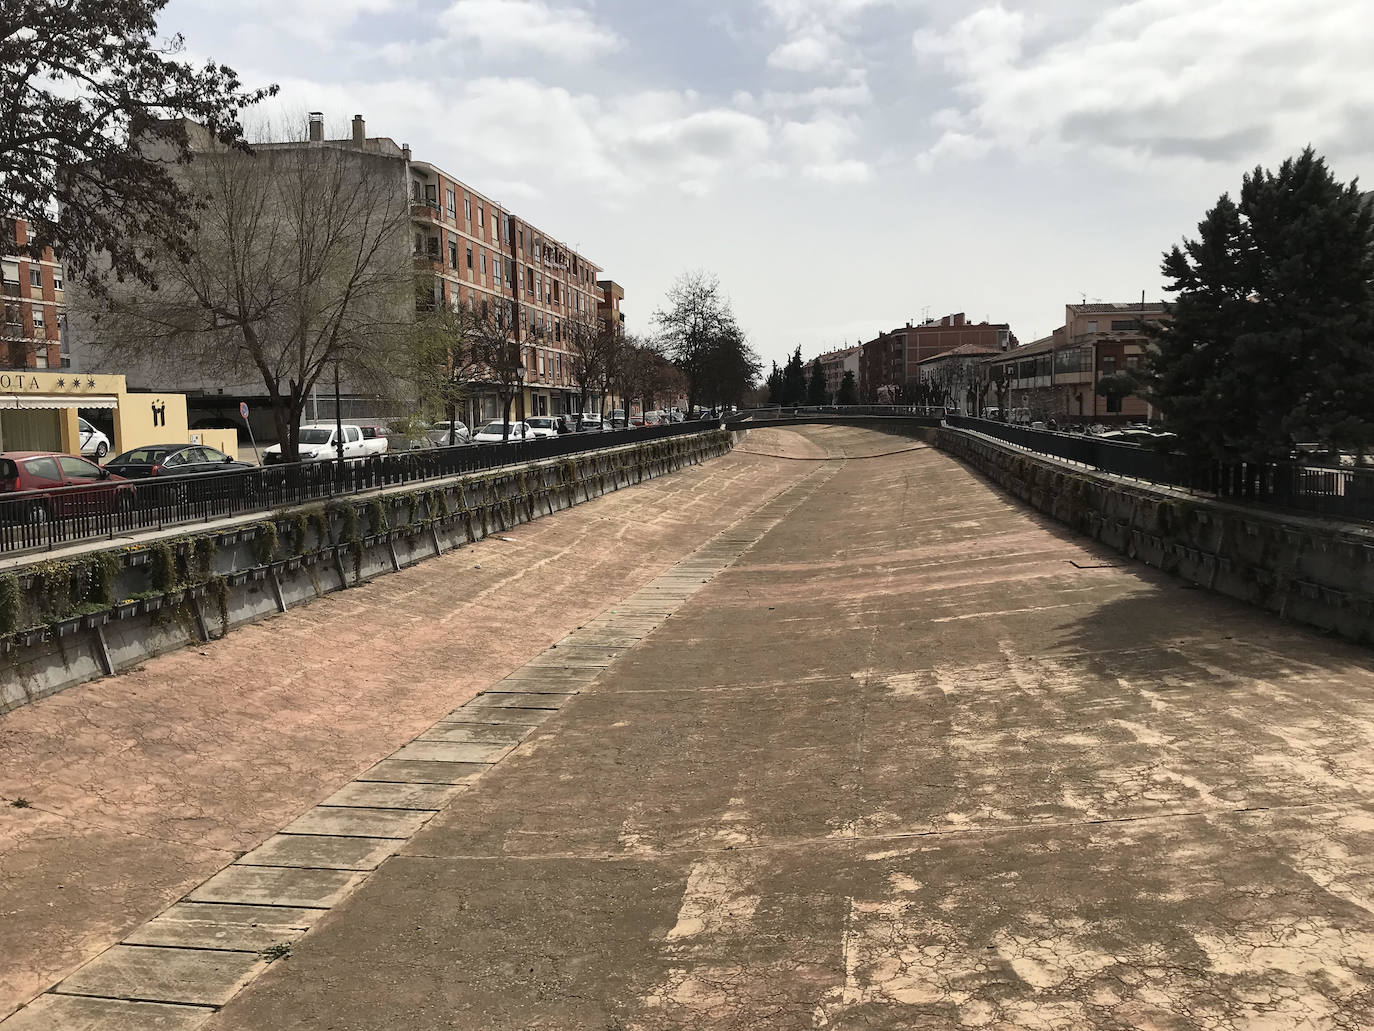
(887, 751)
(139, 787)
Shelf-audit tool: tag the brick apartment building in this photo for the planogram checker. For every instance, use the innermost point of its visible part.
(473, 251)
(891, 360)
(1056, 377)
(33, 333)
(835, 364)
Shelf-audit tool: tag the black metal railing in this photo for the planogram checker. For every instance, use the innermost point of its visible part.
(46, 519)
(775, 413)
(1342, 492)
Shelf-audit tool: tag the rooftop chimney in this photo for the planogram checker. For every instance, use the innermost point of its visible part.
(359, 130)
(960, 320)
(405, 151)
(316, 126)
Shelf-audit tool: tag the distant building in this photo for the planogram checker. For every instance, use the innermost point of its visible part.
(1056, 377)
(891, 360)
(836, 363)
(955, 378)
(33, 333)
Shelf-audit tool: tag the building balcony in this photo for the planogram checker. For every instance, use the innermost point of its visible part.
(426, 209)
(11, 289)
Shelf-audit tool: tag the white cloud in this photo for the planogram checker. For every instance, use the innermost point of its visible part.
(803, 54)
(531, 132)
(507, 27)
(1226, 81)
(854, 93)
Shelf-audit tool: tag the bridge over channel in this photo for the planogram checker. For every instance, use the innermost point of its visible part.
(824, 733)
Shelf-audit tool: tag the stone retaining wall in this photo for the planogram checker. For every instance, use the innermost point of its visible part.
(115, 608)
(1311, 571)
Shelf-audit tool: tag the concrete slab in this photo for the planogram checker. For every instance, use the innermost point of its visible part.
(74, 1013)
(276, 886)
(498, 717)
(570, 677)
(322, 852)
(537, 687)
(197, 925)
(358, 823)
(475, 734)
(401, 771)
(372, 795)
(198, 976)
(452, 752)
(507, 700)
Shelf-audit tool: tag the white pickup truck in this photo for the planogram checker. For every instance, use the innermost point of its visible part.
(318, 444)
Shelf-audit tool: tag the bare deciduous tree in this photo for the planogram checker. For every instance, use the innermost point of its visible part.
(500, 357)
(299, 265)
(444, 357)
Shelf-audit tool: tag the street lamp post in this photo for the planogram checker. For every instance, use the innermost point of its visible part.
(338, 418)
(520, 386)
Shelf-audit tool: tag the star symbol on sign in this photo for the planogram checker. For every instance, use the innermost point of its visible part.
(90, 382)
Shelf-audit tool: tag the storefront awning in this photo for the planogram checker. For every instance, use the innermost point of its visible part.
(39, 401)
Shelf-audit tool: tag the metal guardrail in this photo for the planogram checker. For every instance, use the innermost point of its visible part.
(774, 413)
(33, 521)
(1339, 492)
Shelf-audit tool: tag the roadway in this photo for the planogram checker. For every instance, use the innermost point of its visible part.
(893, 752)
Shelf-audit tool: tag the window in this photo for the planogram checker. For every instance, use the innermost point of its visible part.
(541, 363)
(1092, 327)
(38, 317)
(78, 468)
(539, 286)
(529, 274)
(469, 257)
(1108, 364)
(1132, 361)
(352, 435)
(35, 277)
(450, 203)
(57, 280)
(453, 254)
(1125, 325)
(467, 208)
(481, 217)
(42, 469)
(484, 263)
(496, 269)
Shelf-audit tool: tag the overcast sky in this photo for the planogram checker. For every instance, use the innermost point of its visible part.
(844, 166)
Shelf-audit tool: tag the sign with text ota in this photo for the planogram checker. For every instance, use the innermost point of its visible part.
(243, 409)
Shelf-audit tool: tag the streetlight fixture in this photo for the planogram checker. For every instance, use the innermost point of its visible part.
(338, 417)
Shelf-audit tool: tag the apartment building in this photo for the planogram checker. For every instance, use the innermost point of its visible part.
(1056, 377)
(466, 248)
(34, 292)
(836, 363)
(481, 253)
(892, 360)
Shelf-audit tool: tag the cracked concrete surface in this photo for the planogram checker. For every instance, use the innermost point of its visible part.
(143, 785)
(903, 765)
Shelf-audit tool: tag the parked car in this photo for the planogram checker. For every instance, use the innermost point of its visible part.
(184, 467)
(591, 422)
(542, 425)
(376, 439)
(494, 433)
(91, 487)
(618, 419)
(439, 434)
(173, 460)
(675, 415)
(318, 445)
(93, 442)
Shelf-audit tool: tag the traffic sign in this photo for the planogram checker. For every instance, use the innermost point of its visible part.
(243, 409)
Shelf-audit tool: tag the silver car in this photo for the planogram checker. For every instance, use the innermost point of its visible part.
(438, 434)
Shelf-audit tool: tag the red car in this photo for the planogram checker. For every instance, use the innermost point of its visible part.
(72, 486)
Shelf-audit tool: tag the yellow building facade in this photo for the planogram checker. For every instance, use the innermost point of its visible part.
(39, 412)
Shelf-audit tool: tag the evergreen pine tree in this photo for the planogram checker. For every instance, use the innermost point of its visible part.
(849, 390)
(1272, 334)
(794, 381)
(775, 385)
(816, 394)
